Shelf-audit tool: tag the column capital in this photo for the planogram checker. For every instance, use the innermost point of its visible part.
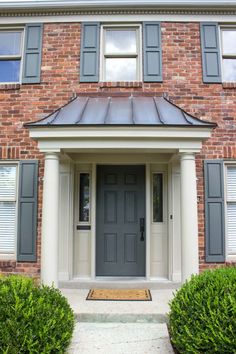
(51, 155)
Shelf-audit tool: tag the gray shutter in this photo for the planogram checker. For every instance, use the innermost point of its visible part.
(89, 53)
(27, 211)
(32, 53)
(211, 57)
(214, 211)
(152, 53)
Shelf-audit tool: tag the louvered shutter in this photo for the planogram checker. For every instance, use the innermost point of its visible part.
(214, 211)
(7, 208)
(231, 210)
(27, 211)
(89, 52)
(210, 46)
(32, 53)
(152, 52)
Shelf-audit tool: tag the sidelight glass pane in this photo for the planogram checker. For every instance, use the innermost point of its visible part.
(120, 41)
(121, 69)
(229, 41)
(10, 43)
(84, 197)
(157, 197)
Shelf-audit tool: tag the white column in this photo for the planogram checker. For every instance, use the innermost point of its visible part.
(189, 218)
(49, 256)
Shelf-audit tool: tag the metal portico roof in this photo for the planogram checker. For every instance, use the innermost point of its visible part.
(121, 111)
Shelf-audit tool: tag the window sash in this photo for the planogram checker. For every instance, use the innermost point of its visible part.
(8, 208)
(107, 55)
(84, 197)
(11, 57)
(231, 209)
(157, 204)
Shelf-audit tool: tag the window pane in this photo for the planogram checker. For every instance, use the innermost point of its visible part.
(120, 41)
(84, 197)
(7, 227)
(231, 227)
(157, 197)
(9, 70)
(229, 70)
(7, 182)
(10, 43)
(121, 69)
(229, 42)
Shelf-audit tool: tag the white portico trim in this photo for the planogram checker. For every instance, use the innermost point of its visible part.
(185, 147)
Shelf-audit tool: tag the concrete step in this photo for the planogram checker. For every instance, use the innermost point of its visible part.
(121, 317)
(128, 283)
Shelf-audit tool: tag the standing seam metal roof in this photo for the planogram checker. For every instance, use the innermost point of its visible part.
(127, 111)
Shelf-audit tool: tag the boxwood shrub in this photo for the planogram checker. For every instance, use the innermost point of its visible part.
(33, 318)
(202, 316)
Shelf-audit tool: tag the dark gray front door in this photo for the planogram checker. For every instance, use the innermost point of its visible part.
(120, 232)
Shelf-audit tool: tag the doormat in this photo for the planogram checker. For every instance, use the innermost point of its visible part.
(119, 295)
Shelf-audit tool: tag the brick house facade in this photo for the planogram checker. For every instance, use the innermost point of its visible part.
(182, 85)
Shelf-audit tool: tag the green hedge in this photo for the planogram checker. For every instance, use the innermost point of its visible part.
(33, 319)
(202, 316)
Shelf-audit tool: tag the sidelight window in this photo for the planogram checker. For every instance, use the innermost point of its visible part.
(84, 197)
(157, 193)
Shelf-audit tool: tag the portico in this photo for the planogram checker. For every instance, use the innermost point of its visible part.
(166, 148)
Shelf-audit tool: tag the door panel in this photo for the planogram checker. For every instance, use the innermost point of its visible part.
(120, 250)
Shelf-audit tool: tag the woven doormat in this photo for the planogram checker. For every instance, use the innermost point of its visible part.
(119, 295)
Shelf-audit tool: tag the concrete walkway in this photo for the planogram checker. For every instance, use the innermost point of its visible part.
(120, 327)
(120, 338)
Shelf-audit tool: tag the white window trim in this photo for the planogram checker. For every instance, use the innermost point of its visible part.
(228, 257)
(20, 57)
(12, 255)
(222, 55)
(139, 48)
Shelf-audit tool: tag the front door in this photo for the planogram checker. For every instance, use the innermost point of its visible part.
(120, 235)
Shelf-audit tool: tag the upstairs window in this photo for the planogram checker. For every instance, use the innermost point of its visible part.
(10, 55)
(228, 46)
(120, 54)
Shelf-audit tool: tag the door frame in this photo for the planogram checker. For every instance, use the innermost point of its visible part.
(93, 218)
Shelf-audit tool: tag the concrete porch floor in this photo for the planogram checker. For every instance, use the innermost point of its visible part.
(120, 327)
(119, 311)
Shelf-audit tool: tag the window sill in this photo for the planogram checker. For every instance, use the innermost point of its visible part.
(229, 85)
(4, 87)
(128, 84)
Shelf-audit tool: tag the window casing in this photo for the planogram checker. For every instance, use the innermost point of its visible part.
(8, 208)
(11, 49)
(120, 53)
(231, 210)
(228, 50)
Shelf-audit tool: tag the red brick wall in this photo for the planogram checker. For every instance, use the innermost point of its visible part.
(182, 81)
